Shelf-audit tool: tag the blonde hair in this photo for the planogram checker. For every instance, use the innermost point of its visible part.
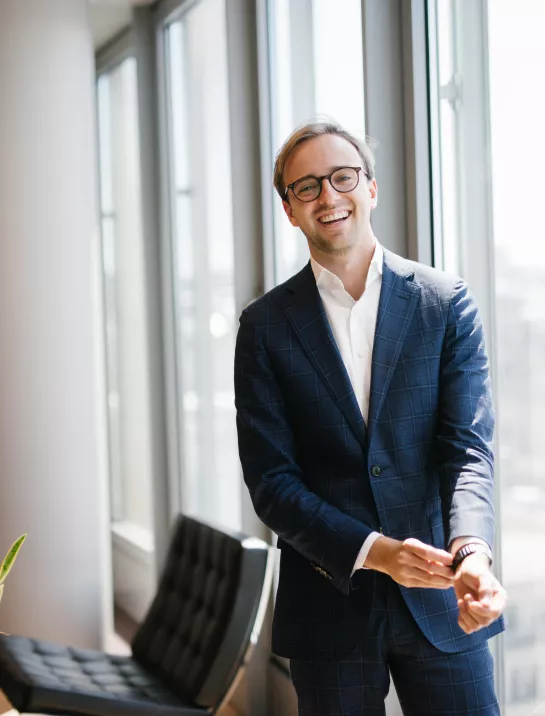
(311, 131)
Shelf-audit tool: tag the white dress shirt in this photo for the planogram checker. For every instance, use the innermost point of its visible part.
(353, 326)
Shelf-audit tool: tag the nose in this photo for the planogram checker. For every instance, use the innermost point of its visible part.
(327, 193)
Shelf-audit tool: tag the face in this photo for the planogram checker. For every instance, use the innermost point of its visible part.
(339, 236)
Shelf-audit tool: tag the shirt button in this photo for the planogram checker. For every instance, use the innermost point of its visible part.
(375, 471)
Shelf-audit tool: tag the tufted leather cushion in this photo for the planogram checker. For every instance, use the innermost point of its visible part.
(173, 651)
(49, 678)
(183, 629)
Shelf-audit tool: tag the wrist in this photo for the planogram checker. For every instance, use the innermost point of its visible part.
(477, 558)
(380, 553)
(472, 553)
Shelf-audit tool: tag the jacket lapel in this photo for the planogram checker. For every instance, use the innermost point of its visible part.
(398, 300)
(305, 312)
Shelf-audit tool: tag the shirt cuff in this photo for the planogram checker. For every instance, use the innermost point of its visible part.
(364, 551)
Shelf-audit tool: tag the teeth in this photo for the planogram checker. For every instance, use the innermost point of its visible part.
(334, 217)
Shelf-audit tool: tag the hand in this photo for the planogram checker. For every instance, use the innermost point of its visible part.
(481, 598)
(411, 563)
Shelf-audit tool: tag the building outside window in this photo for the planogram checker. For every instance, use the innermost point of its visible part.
(498, 244)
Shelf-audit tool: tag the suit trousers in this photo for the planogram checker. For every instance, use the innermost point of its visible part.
(429, 682)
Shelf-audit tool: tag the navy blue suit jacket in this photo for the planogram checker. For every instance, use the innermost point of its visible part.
(323, 480)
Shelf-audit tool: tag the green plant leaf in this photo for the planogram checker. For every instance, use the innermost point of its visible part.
(9, 559)
(1, 591)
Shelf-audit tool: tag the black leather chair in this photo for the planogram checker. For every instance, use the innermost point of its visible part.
(186, 656)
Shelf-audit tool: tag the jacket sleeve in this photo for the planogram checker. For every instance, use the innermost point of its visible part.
(327, 537)
(465, 430)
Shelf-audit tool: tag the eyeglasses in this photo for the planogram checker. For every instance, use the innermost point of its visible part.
(309, 188)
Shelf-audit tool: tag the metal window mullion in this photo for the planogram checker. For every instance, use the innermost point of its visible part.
(144, 39)
(170, 313)
(168, 11)
(417, 131)
(112, 54)
(436, 188)
(266, 114)
(384, 113)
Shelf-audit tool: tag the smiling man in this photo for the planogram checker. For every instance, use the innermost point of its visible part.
(365, 430)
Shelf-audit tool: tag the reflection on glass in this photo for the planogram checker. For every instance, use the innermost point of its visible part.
(317, 72)
(123, 268)
(204, 262)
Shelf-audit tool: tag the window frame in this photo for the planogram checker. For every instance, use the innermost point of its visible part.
(473, 154)
(147, 551)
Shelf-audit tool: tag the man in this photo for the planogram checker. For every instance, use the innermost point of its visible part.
(365, 434)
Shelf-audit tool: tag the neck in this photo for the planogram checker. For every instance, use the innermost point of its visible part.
(351, 267)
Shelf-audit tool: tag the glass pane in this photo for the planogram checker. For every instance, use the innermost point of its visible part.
(517, 287)
(518, 157)
(204, 262)
(447, 74)
(123, 268)
(316, 72)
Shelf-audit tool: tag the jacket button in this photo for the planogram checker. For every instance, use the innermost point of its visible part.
(375, 471)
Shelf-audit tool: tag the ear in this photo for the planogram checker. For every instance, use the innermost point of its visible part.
(373, 193)
(289, 213)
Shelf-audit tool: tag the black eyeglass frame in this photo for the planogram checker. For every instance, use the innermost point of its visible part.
(321, 179)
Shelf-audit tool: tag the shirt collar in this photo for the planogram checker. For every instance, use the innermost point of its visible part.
(328, 280)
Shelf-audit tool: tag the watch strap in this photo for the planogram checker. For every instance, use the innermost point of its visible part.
(470, 548)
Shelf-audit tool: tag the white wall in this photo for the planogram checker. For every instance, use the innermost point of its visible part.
(50, 459)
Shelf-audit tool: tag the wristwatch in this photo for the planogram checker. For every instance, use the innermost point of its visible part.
(470, 548)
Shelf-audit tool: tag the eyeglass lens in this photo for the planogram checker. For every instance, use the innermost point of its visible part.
(342, 180)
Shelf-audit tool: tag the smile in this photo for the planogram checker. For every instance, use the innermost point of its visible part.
(335, 217)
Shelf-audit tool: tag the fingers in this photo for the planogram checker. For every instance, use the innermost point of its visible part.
(414, 572)
(486, 592)
(427, 552)
(432, 574)
(467, 621)
(421, 566)
(475, 615)
(482, 587)
(491, 609)
(429, 581)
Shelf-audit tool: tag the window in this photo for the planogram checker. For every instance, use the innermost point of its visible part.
(518, 153)
(203, 262)
(490, 154)
(316, 70)
(123, 269)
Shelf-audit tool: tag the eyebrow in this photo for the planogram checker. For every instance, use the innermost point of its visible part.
(315, 176)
